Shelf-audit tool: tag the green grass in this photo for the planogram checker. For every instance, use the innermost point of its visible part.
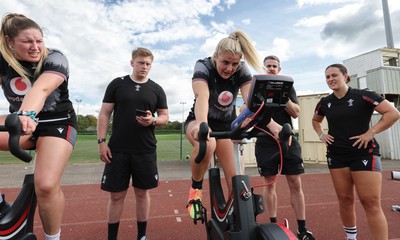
(86, 149)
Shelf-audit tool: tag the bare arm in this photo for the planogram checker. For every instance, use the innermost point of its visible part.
(36, 96)
(317, 125)
(201, 94)
(104, 119)
(102, 127)
(293, 109)
(41, 89)
(162, 117)
(389, 117)
(244, 90)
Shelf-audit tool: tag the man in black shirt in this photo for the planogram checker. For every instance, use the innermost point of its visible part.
(292, 165)
(131, 152)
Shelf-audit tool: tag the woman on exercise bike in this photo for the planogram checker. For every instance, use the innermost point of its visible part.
(35, 83)
(216, 82)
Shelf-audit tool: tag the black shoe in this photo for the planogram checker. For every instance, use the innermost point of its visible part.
(305, 236)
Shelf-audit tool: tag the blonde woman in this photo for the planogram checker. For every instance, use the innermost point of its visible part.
(35, 83)
(216, 82)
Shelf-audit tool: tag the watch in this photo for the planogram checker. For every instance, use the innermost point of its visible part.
(101, 140)
(154, 121)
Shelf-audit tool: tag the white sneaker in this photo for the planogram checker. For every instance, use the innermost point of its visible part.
(143, 238)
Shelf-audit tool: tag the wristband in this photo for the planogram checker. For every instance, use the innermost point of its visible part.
(154, 121)
(31, 114)
(321, 136)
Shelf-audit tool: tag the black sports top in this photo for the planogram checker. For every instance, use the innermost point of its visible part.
(57, 104)
(127, 134)
(347, 117)
(223, 92)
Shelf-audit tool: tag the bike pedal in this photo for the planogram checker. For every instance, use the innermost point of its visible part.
(200, 212)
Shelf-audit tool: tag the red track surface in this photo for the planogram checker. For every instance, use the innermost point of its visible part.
(86, 210)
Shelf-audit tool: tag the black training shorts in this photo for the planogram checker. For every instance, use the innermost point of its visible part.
(370, 162)
(292, 164)
(141, 167)
(63, 131)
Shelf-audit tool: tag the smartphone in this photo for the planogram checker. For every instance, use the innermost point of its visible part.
(141, 113)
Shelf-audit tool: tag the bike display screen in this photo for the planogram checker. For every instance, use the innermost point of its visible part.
(273, 90)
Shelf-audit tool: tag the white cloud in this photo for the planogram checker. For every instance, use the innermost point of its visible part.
(210, 43)
(281, 48)
(314, 21)
(335, 14)
(302, 3)
(246, 21)
(98, 38)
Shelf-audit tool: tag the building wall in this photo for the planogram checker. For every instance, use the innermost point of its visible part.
(313, 150)
(248, 154)
(359, 65)
(384, 80)
(389, 140)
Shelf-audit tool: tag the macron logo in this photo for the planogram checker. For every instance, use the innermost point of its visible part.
(104, 179)
(365, 162)
(60, 130)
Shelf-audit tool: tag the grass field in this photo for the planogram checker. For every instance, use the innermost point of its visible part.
(86, 150)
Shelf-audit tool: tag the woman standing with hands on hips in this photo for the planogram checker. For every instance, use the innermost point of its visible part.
(352, 152)
(35, 83)
(216, 82)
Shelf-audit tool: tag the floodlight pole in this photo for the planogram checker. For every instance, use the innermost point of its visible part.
(388, 25)
(78, 100)
(182, 128)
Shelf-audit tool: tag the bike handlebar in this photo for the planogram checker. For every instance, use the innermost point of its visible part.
(203, 132)
(284, 136)
(13, 126)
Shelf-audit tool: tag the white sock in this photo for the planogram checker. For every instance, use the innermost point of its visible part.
(53, 237)
(351, 232)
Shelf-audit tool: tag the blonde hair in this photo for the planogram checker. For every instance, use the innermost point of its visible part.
(11, 25)
(239, 42)
(142, 52)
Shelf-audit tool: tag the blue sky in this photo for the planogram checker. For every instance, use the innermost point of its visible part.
(98, 36)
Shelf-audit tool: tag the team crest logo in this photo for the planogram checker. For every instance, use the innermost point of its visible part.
(350, 102)
(20, 86)
(225, 98)
(329, 105)
(137, 88)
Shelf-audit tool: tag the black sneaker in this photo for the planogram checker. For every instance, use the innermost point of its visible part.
(305, 236)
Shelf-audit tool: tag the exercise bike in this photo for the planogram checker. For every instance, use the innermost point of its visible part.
(16, 219)
(234, 218)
